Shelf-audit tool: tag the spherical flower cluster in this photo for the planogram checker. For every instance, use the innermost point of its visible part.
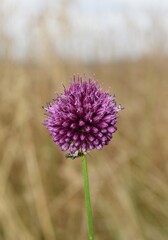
(83, 117)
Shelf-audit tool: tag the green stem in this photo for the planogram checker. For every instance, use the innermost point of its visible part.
(87, 198)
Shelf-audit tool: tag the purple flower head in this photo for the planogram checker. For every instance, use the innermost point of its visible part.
(83, 117)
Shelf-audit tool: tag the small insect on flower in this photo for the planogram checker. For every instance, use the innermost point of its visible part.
(74, 155)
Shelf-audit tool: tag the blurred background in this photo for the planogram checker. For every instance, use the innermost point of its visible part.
(125, 44)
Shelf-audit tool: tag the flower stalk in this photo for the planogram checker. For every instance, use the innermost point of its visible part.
(87, 198)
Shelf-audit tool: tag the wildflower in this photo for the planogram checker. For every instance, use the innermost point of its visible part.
(83, 117)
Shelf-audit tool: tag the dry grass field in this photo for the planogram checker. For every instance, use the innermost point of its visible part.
(41, 192)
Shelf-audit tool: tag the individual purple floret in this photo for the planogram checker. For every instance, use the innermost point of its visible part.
(83, 117)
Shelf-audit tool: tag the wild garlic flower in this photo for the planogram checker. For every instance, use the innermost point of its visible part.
(83, 117)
